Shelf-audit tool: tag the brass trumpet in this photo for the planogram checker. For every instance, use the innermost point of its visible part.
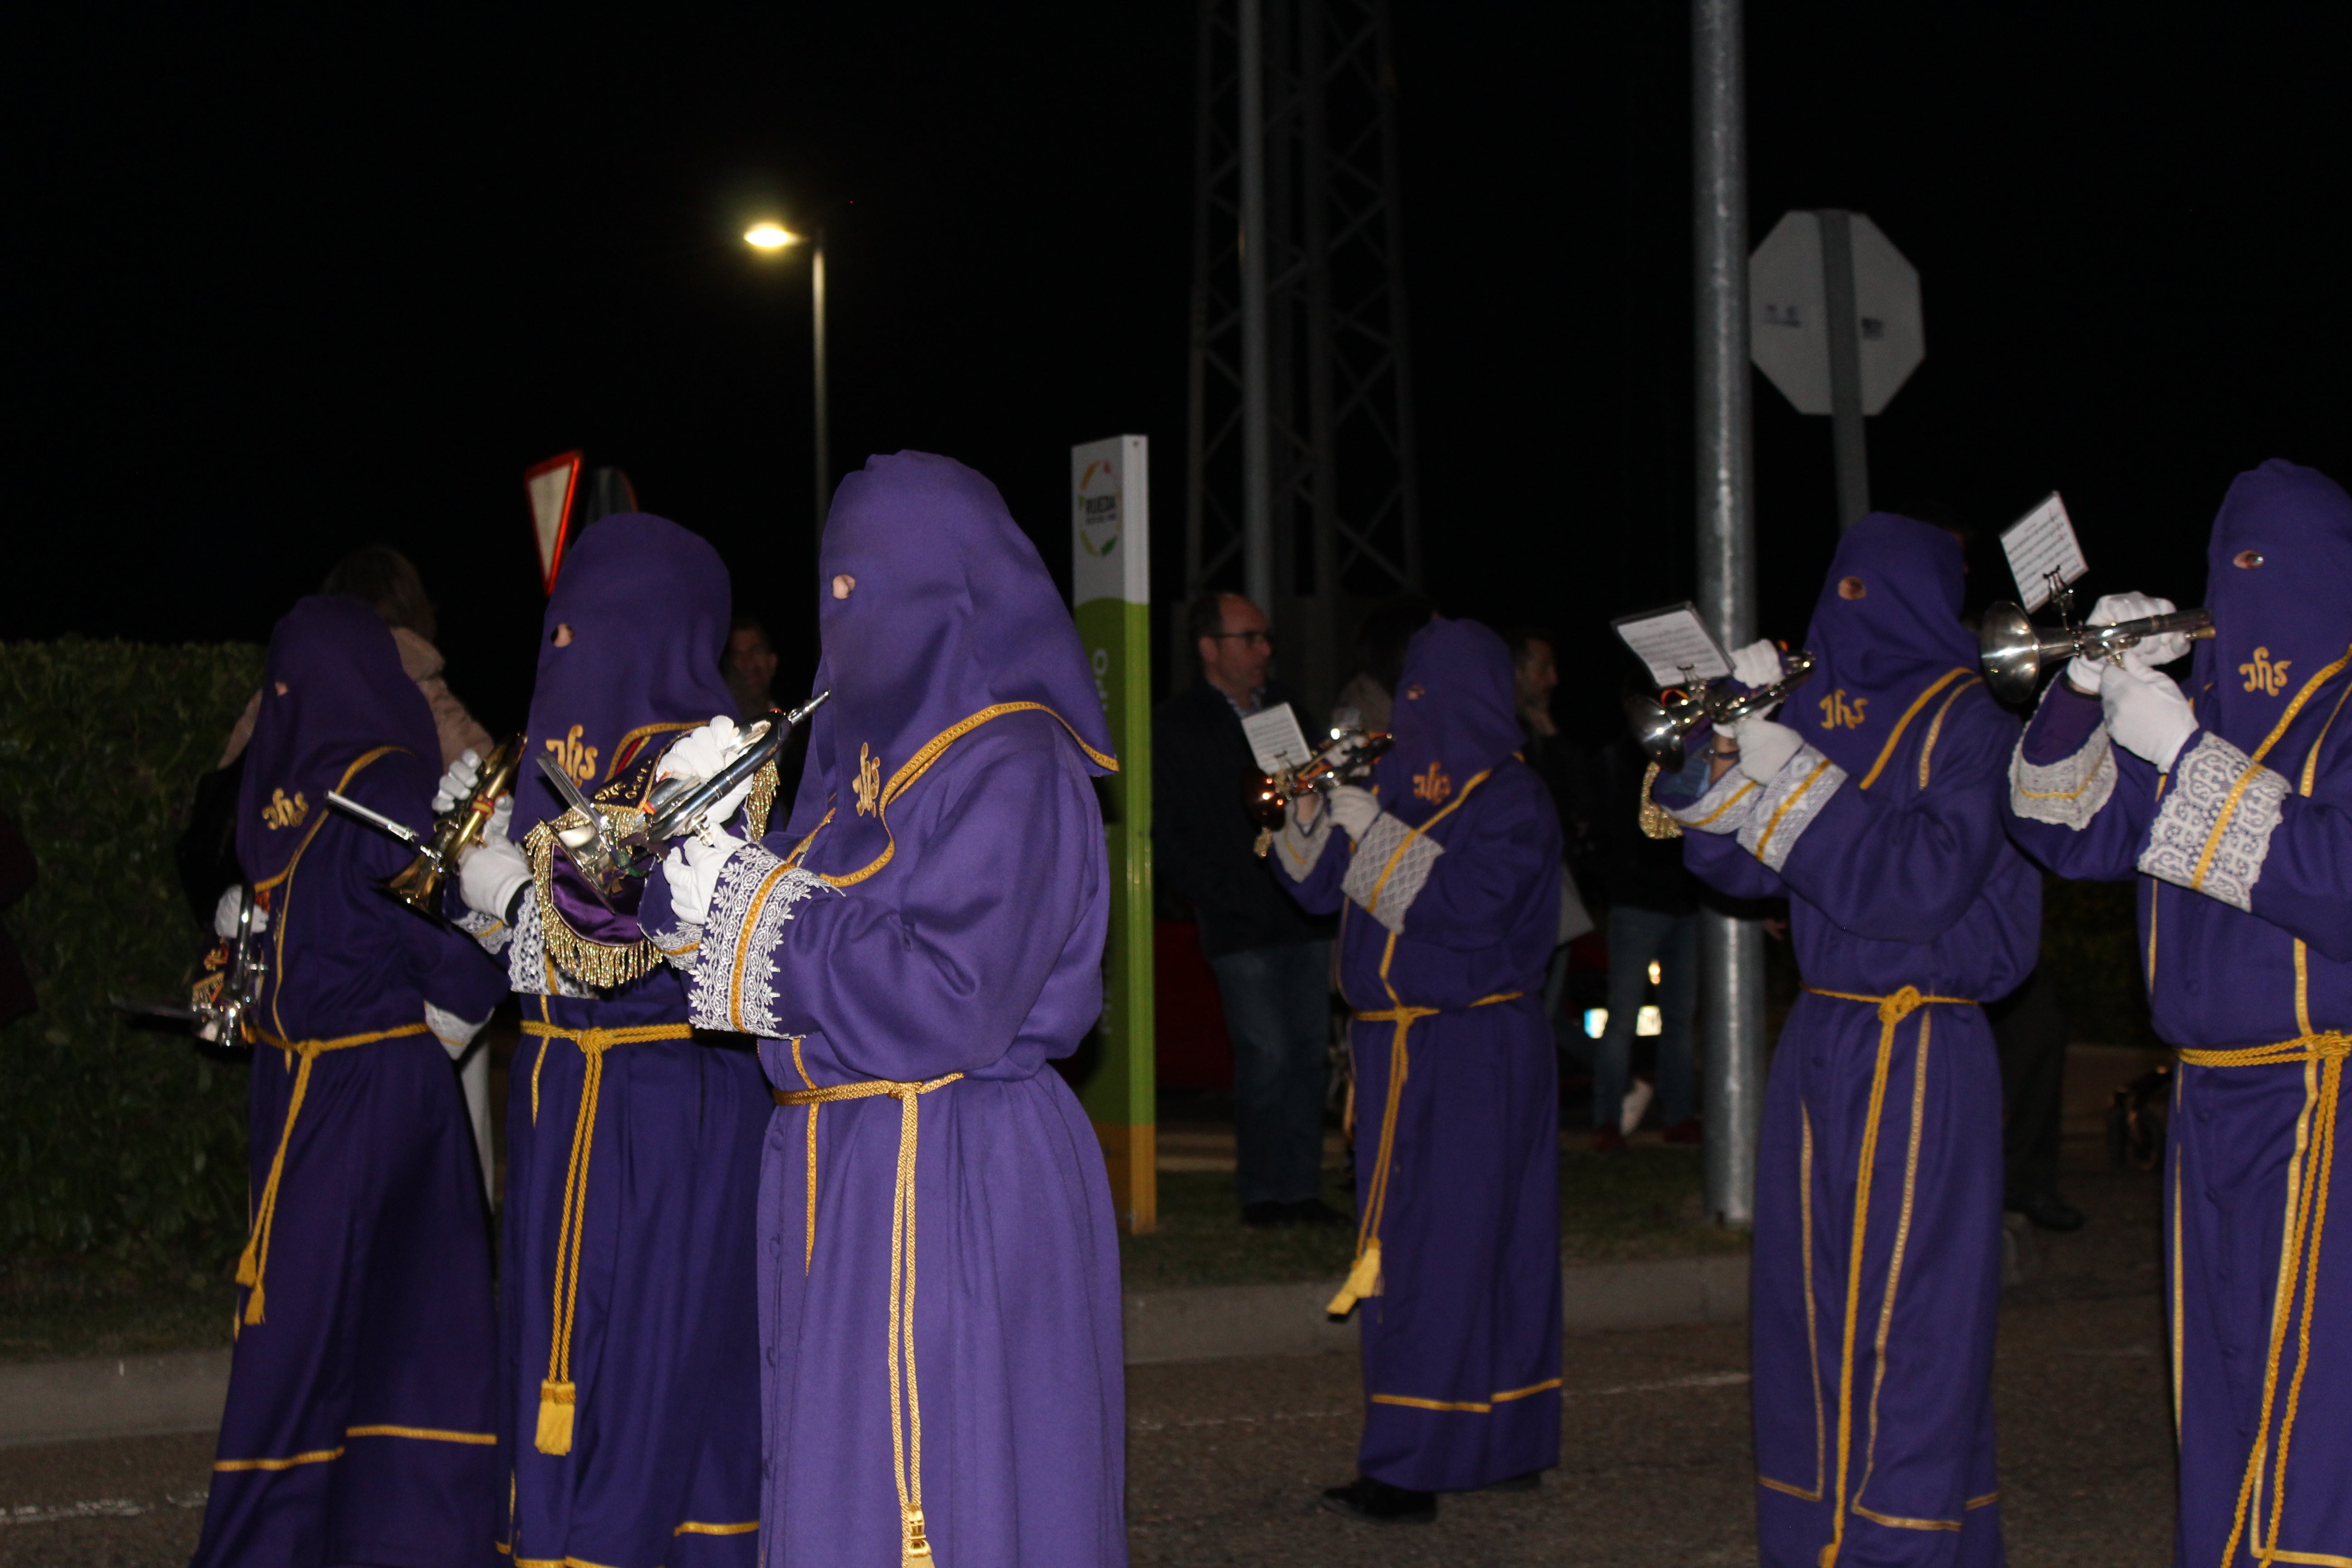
(2014, 651)
(454, 831)
(1266, 796)
(230, 986)
(1661, 722)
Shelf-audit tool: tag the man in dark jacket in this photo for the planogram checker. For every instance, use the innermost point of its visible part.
(1273, 962)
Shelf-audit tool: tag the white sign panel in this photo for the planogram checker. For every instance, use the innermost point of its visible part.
(1275, 740)
(2041, 542)
(1110, 507)
(1675, 644)
(1788, 324)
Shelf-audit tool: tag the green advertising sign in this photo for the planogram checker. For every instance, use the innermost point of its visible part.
(1110, 582)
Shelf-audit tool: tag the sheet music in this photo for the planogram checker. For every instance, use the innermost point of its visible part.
(1675, 644)
(2037, 543)
(1275, 740)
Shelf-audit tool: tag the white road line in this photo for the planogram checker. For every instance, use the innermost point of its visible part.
(100, 1508)
(1696, 1380)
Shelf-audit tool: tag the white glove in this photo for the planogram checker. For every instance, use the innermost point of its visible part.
(459, 782)
(225, 914)
(692, 869)
(2147, 714)
(1757, 664)
(2113, 609)
(1765, 747)
(489, 873)
(1354, 810)
(698, 754)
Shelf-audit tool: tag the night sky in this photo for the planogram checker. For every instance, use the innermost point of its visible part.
(287, 285)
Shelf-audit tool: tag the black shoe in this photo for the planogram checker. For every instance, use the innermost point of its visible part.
(2048, 1211)
(1314, 1211)
(1531, 1482)
(1267, 1215)
(1380, 1503)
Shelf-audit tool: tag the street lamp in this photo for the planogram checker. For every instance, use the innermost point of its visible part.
(772, 238)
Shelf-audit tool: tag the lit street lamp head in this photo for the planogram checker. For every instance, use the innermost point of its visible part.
(770, 237)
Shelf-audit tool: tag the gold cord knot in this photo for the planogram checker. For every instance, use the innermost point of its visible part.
(1902, 1005)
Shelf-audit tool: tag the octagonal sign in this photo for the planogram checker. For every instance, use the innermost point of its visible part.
(1788, 327)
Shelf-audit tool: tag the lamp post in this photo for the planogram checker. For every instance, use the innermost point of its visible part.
(772, 238)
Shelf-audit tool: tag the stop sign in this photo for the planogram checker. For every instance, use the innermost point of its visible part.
(1788, 323)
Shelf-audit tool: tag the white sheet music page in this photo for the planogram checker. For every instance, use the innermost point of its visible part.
(1675, 644)
(2041, 542)
(1275, 740)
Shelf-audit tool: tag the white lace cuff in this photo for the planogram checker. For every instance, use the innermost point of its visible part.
(2214, 827)
(2069, 791)
(1788, 805)
(733, 969)
(530, 971)
(453, 1033)
(1391, 866)
(1724, 808)
(492, 932)
(1297, 853)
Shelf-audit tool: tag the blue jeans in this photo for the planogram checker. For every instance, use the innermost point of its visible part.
(1635, 937)
(1278, 1012)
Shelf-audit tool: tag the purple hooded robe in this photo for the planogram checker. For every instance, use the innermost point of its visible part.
(632, 1161)
(1876, 1269)
(358, 1423)
(931, 920)
(1449, 905)
(2244, 852)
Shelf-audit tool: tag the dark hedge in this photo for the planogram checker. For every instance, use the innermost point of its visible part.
(114, 1141)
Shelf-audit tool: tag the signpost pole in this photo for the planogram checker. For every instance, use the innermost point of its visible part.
(1258, 428)
(1111, 589)
(1731, 952)
(1843, 314)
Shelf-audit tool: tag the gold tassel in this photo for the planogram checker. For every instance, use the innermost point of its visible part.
(248, 1273)
(253, 1304)
(917, 1547)
(1363, 1279)
(555, 1409)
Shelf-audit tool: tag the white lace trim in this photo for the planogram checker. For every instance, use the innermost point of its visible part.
(733, 969)
(2191, 829)
(1390, 866)
(1724, 808)
(1789, 804)
(492, 932)
(528, 969)
(1299, 852)
(2069, 791)
(453, 1033)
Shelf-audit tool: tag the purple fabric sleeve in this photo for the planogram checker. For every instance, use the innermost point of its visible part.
(1492, 863)
(2306, 887)
(585, 914)
(1907, 869)
(2062, 726)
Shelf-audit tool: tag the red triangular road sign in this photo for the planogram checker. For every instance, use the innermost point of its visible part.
(551, 485)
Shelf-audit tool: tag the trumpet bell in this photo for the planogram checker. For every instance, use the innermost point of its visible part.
(1657, 731)
(2011, 649)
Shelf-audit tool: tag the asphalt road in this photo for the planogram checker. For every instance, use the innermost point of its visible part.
(1225, 1459)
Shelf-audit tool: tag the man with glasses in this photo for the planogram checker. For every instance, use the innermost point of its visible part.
(1272, 961)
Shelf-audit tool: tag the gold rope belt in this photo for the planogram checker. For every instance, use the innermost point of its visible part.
(1364, 1275)
(254, 1261)
(907, 1442)
(2308, 1175)
(1891, 1010)
(557, 1394)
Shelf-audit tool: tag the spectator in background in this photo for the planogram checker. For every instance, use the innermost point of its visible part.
(1364, 702)
(1565, 770)
(1652, 918)
(1272, 959)
(750, 666)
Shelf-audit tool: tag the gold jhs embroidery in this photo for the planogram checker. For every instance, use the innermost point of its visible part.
(2264, 676)
(281, 812)
(1433, 786)
(573, 758)
(1837, 713)
(869, 788)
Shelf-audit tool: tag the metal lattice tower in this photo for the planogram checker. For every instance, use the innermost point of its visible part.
(1343, 526)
